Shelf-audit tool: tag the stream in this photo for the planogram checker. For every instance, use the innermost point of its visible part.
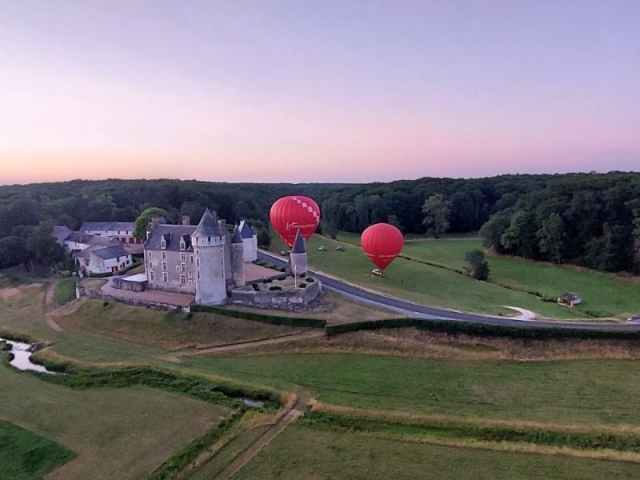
(22, 357)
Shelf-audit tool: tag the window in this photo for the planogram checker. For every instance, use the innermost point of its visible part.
(198, 262)
(183, 257)
(164, 266)
(191, 259)
(198, 275)
(152, 276)
(149, 254)
(164, 255)
(165, 277)
(163, 244)
(183, 280)
(190, 282)
(177, 268)
(190, 274)
(182, 245)
(150, 264)
(183, 267)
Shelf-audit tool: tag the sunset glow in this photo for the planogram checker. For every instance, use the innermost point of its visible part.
(328, 91)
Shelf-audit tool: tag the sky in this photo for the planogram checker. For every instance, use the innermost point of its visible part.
(317, 91)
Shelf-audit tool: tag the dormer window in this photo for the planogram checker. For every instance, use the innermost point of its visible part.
(163, 244)
(182, 245)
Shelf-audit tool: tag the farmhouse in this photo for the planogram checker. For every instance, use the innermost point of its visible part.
(93, 254)
(121, 231)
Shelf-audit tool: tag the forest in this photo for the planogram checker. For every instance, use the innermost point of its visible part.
(587, 219)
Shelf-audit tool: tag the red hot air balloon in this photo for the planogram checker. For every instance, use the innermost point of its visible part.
(382, 243)
(293, 213)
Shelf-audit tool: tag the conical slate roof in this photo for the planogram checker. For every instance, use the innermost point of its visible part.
(208, 226)
(246, 230)
(298, 244)
(236, 237)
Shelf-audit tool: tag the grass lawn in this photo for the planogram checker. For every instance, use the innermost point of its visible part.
(604, 295)
(167, 330)
(567, 392)
(65, 292)
(21, 311)
(117, 433)
(25, 455)
(329, 455)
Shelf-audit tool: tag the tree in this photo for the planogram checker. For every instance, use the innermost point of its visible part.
(437, 210)
(477, 266)
(142, 222)
(43, 249)
(520, 237)
(552, 237)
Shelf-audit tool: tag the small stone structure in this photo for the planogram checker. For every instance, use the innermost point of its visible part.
(294, 299)
(570, 299)
(82, 291)
(132, 283)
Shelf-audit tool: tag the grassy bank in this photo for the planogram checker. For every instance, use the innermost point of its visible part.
(326, 454)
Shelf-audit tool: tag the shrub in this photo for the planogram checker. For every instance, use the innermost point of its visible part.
(255, 286)
(302, 285)
(262, 317)
(310, 280)
(477, 266)
(275, 287)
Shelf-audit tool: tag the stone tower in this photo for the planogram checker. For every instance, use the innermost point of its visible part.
(237, 258)
(250, 240)
(298, 255)
(208, 242)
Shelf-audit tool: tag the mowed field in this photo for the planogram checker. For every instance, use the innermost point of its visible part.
(534, 388)
(117, 433)
(425, 273)
(328, 455)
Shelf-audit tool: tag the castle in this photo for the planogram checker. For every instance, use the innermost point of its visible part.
(206, 260)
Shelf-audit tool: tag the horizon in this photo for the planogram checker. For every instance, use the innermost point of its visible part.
(168, 179)
(290, 92)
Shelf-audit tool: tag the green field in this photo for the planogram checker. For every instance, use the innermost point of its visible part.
(328, 455)
(514, 282)
(569, 392)
(65, 291)
(25, 455)
(117, 433)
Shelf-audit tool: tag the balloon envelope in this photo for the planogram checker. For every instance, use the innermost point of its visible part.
(382, 243)
(293, 213)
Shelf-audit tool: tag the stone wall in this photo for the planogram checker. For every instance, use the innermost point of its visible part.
(136, 302)
(278, 299)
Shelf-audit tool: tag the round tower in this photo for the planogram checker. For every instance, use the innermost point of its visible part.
(237, 259)
(298, 255)
(208, 242)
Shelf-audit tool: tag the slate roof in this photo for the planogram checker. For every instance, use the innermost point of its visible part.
(298, 244)
(236, 237)
(246, 230)
(80, 237)
(112, 251)
(172, 235)
(61, 233)
(107, 226)
(209, 226)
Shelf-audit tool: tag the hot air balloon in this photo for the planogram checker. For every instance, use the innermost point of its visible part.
(293, 213)
(382, 243)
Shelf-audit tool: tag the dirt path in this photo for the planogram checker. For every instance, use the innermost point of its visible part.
(289, 416)
(49, 307)
(251, 343)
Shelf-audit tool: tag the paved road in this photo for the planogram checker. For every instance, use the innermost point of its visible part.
(423, 311)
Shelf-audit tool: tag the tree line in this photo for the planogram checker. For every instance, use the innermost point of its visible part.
(585, 219)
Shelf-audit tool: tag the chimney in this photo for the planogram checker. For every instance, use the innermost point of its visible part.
(185, 220)
(223, 224)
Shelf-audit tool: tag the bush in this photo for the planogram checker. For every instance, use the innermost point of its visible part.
(531, 332)
(262, 317)
(477, 266)
(275, 287)
(302, 285)
(255, 286)
(310, 280)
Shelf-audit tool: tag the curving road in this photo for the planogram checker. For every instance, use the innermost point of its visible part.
(417, 310)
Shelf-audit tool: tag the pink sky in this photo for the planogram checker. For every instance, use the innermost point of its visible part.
(287, 91)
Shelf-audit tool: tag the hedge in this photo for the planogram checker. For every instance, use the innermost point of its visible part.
(484, 329)
(262, 317)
